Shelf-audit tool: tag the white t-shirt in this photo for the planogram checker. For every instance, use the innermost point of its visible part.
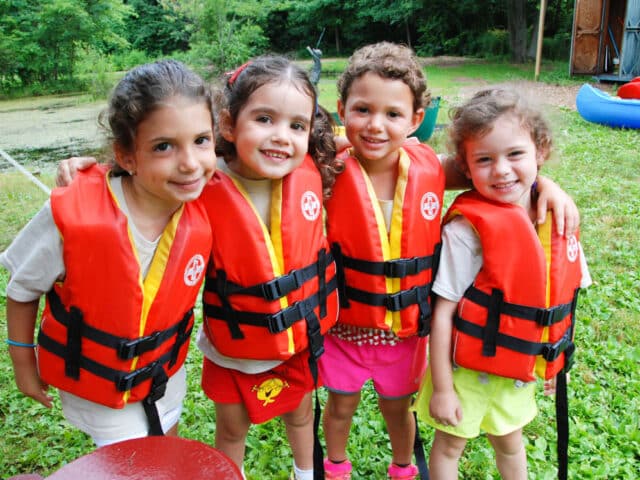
(35, 262)
(461, 260)
(260, 193)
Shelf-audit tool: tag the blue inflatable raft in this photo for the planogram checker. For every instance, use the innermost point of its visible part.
(597, 106)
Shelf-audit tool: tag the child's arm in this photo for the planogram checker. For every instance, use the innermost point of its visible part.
(21, 320)
(68, 167)
(444, 406)
(552, 197)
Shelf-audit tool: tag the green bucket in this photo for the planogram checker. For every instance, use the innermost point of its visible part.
(425, 130)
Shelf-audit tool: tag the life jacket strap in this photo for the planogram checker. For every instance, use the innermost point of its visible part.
(157, 391)
(276, 288)
(274, 322)
(393, 302)
(122, 380)
(548, 351)
(336, 250)
(125, 348)
(397, 268)
(544, 317)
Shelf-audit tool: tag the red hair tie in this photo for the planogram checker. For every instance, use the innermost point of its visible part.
(236, 73)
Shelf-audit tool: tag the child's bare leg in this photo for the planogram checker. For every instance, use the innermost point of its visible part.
(445, 454)
(173, 431)
(401, 427)
(299, 424)
(232, 426)
(511, 458)
(338, 414)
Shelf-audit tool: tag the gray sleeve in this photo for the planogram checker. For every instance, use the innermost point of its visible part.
(460, 259)
(34, 258)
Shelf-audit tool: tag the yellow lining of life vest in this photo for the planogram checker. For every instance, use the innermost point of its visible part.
(273, 239)
(151, 284)
(545, 231)
(395, 232)
(391, 243)
(278, 249)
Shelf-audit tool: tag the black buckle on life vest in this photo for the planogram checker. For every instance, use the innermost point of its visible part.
(281, 286)
(131, 379)
(402, 267)
(549, 316)
(133, 348)
(552, 351)
(394, 302)
(158, 385)
(283, 319)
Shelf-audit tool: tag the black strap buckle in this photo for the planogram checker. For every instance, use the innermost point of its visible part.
(553, 351)
(399, 268)
(133, 348)
(549, 316)
(158, 385)
(130, 380)
(393, 302)
(283, 319)
(283, 285)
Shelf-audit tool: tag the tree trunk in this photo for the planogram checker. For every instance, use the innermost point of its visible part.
(337, 39)
(517, 24)
(407, 31)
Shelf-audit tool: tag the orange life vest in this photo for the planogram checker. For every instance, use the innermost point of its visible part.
(516, 319)
(269, 294)
(386, 277)
(106, 334)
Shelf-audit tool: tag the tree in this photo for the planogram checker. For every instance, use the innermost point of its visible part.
(226, 33)
(157, 26)
(517, 24)
(390, 12)
(43, 37)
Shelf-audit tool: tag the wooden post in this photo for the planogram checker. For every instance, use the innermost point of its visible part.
(543, 8)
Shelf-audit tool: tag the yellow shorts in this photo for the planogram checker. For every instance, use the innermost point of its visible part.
(496, 405)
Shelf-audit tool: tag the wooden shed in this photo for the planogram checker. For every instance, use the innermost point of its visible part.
(605, 40)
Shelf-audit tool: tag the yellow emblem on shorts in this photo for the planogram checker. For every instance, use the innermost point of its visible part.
(269, 389)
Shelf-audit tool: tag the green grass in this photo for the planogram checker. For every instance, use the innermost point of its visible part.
(600, 168)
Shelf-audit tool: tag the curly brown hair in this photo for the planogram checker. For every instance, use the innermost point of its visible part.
(475, 118)
(388, 60)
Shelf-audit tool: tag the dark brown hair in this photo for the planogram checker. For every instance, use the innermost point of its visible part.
(141, 91)
(240, 84)
(388, 60)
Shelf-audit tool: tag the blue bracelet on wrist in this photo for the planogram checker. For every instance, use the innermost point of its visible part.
(13, 343)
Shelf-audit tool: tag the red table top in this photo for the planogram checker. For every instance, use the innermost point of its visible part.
(157, 458)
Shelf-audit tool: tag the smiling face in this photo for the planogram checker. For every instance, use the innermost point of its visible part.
(173, 156)
(378, 116)
(271, 131)
(503, 163)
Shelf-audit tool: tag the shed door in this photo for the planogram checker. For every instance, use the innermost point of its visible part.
(587, 29)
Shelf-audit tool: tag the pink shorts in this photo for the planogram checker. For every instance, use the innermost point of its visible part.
(395, 370)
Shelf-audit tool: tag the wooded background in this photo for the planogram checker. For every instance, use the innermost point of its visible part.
(47, 46)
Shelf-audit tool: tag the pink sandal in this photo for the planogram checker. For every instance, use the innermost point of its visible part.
(410, 472)
(337, 471)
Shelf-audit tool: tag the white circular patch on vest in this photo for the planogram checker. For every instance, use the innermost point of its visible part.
(429, 205)
(572, 248)
(310, 205)
(194, 270)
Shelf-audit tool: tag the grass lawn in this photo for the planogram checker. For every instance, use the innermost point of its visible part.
(598, 166)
